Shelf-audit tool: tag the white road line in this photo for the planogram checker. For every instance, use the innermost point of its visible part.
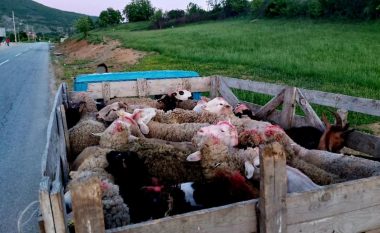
(18, 54)
(4, 62)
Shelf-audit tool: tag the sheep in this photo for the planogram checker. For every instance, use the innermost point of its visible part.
(224, 188)
(110, 112)
(131, 175)
(88, 152)
(171, 100)
(116, 212)
(81, 135)
(173, 132)
(180, 116)
(143, 102)
(241, 110)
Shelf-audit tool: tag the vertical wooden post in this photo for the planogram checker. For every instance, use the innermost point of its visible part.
(45, 205)
(289, 107)
(273, 189)
(142, 87)
(87, 206)
(215, 84)
(66, 133)
(58, 207)
(106, 91)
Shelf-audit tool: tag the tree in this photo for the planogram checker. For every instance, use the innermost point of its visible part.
(176, 14)
(109, 17)
(138, 10)
(235, 7)
(83, 25)
(194, 9)
(157, 18)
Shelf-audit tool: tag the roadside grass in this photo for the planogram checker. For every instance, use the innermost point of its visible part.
(338, 57)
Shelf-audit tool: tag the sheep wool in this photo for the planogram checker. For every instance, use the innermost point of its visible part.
(174, 132)
(180, 116)
(81, 135)
(87, 153)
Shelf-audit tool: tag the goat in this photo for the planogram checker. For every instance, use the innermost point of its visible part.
(331, 139)
(170, 100)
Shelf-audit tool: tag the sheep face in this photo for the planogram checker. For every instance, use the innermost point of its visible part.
(201, 104)
(223, 132)
(183, 95)
(109, 113)
(219, 105)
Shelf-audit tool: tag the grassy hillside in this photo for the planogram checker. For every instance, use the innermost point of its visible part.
(331, 56)
(43, 18)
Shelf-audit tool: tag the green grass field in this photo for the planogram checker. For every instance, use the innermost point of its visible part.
(330, 56)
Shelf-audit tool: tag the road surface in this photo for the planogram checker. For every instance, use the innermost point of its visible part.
(25, 99)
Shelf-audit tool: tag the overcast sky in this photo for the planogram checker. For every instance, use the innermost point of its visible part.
(94, 7)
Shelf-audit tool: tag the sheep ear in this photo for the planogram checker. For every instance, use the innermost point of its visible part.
(81, 106)
(144, 128)
(249, 170)
(97, 134)
(194, 157)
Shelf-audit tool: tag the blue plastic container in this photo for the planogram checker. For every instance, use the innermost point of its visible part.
(81, 81)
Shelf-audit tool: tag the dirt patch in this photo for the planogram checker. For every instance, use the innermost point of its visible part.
(373, 128)
(110, 52)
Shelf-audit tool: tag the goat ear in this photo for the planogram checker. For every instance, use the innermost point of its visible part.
(325, 120)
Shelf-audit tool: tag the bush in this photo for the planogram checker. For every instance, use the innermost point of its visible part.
(109, 17)
(175, 14)
(84, 25)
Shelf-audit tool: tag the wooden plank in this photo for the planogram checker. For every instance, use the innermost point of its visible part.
(350, 222)
(154, 87)
(273, 189)
(41, 225)
(214, 89)
(45, 205)
(333, 200)
(364, 142)
(311, 116)
(87, 206)
(270, 107)
(373, 231)
(62, 147)
(106, 91)
(227, 94)
(142, 87)
(66, 133)
(48, 156)
(237, 218)
(356, 104)
(288, 107)
(258, 87)
(58, 207)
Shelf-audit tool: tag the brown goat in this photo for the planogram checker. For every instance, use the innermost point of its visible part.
(334, 136)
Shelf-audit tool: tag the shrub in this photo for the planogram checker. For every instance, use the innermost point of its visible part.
(138, 10)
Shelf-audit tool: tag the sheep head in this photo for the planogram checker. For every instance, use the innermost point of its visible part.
(109, 112)
(218, 105)
(223, 132)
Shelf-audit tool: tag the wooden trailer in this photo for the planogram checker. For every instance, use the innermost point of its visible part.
(352, 206)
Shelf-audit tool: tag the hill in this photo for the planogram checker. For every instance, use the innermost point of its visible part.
(42, 18)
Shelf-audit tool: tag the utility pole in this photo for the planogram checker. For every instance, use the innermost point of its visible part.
(14, 26)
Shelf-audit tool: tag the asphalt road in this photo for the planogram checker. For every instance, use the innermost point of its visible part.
(25, 99)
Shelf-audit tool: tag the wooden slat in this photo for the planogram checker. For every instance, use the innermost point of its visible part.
(273, 189)
(66, 132)
(349, 222)
(356, 104)
(58, 207)
(288, 107)
(214, 89)
(41, 224)
(154, 87)
(333, 200)
(45, 205)
(236, 218)
(311, 116)
(270, 107)
(227, 94)
(373, 231)
(258, 87)
(62, 147)
(87, 206)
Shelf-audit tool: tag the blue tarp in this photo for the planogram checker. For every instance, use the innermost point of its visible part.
(81, 81)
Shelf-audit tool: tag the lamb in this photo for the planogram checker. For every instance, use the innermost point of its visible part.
(171, 100)
(241, 110)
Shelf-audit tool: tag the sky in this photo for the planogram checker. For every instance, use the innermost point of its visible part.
(94, 7)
